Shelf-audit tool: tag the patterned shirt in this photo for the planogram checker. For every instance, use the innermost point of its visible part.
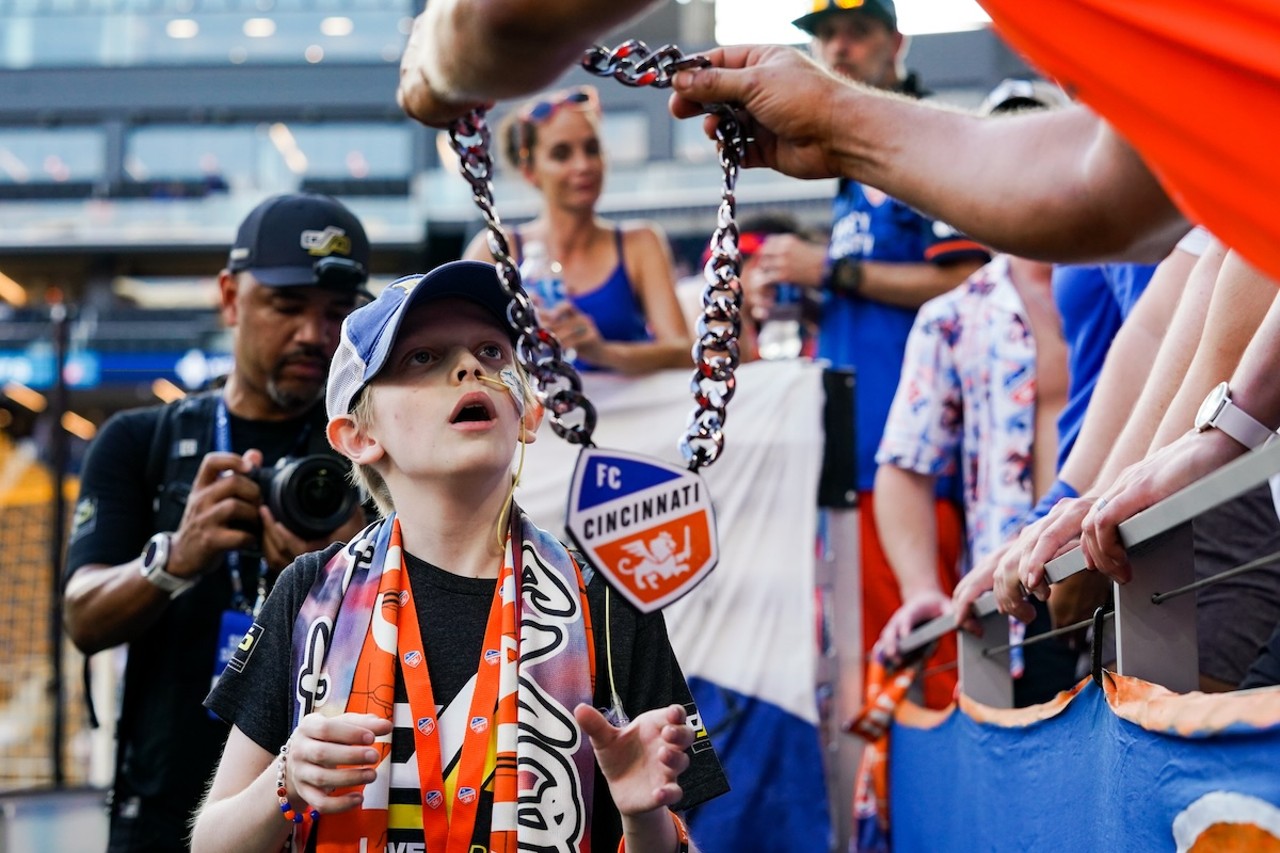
(967, 395)
(870, 336)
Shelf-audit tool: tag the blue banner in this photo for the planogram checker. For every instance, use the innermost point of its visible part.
(1132, 768)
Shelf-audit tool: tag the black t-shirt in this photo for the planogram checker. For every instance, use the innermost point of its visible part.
(453, 612)
(169, 743)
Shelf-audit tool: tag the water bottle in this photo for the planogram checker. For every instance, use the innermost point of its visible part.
(541, 276)
(782, 333)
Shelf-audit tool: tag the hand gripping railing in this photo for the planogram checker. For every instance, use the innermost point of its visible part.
(1155, 631)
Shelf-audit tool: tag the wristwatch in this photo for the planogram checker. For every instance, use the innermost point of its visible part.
(154, 559)
(846, 276)
(1218, 412)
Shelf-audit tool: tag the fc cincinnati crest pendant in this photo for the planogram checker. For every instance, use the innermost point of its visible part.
(649, 527)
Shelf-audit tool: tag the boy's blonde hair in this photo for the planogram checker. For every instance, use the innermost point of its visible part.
(367, 479)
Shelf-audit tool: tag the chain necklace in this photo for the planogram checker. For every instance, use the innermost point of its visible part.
(647, 526)
(715, 352)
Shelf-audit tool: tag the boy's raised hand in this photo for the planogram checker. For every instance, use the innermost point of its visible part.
(331, 759)
(641, 760)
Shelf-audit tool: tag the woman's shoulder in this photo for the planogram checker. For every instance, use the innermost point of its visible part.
(640, 231)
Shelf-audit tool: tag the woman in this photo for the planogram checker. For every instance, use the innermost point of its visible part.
(621, 313)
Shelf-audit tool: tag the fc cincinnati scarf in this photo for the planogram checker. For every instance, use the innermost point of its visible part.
(340, 639)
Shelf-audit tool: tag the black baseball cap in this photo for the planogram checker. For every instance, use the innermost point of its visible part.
(302, 239)
(882, 9)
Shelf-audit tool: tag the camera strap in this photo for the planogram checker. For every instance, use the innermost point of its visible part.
(222, 442)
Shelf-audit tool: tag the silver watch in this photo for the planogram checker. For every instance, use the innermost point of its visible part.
(155, 557)
(1218, 412)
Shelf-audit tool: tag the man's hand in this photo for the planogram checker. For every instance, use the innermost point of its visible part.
(221, 514)
(642, 760)
(978, 580)
(789, 99)
(281, 546)
(781, 259)
(417, 94)
(1047, 538)
(915, 610)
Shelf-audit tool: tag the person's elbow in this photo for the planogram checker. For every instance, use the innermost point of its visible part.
(82, 624)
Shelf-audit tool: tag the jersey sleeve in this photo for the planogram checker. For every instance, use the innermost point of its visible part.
(113, 514)
(945, 245)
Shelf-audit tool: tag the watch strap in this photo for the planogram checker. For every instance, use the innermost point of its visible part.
(1241, 426)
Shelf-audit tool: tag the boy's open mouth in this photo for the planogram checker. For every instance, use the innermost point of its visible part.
(474, 408)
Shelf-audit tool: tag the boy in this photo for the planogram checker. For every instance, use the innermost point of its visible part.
(359, 709)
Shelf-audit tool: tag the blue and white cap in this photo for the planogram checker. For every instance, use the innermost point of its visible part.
(369, 333)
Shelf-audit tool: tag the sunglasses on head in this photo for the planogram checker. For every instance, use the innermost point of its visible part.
(540, 111)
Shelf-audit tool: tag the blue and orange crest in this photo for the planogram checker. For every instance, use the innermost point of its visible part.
(647, 526)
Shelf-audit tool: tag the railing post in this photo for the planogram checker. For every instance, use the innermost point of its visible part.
(1157, 642)
(984, 674)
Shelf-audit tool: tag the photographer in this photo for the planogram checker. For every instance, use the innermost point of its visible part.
(183, 521)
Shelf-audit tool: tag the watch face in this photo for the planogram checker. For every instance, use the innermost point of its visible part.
(1211, 406)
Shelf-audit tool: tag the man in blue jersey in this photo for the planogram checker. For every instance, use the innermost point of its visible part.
(884, 261)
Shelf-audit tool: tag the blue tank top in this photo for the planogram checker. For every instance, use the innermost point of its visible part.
(613, 305)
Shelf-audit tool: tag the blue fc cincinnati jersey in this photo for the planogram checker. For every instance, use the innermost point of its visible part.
(871, 336)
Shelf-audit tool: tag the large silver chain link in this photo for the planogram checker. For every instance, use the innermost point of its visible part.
(538, 351)
(715, 352)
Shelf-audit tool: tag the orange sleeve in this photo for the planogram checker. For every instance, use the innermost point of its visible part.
(1193, 86)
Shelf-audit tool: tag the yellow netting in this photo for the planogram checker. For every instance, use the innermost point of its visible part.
(26, 603)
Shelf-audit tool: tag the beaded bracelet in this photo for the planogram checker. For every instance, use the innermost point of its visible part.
(286, 808)
(682, 836)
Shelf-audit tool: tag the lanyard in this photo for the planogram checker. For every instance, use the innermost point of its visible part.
(222, 442)
(450, 830)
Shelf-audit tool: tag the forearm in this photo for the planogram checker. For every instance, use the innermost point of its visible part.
(1092, 198)
(1239, 311)
(1176, 348)
(1127, 367)
(912, 285)
(907, 526)
(1253, 383)
(494, 49)
(637, 359)
(106, 606)
(248, 822)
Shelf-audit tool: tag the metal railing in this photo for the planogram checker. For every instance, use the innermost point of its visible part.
(1155, 624)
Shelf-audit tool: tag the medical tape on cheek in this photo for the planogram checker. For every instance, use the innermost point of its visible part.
(510, 380)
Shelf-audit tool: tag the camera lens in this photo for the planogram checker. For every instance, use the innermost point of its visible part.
(311, 495)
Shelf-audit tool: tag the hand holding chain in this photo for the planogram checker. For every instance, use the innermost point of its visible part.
(715, 352)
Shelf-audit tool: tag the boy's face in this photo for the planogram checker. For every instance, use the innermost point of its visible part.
(432, 414)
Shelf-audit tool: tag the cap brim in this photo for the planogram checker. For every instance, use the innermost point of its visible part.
(809, 23)
(303, 277)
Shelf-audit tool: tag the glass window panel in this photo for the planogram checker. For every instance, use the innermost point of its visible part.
(355, 151)
(52, 155)
(172, 152)
(625, 137)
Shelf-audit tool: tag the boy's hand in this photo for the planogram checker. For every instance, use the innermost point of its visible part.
(331, 759)
(642, 760)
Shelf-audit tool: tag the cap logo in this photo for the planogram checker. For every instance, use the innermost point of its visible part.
(407, 284)
(239, 254)
(324, 243)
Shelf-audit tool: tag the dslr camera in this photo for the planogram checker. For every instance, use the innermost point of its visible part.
(309, 495)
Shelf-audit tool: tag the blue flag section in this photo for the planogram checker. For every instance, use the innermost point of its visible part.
(778, 798)
(1129, 768)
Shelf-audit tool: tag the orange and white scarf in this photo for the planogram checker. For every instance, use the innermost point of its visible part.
(521, 741)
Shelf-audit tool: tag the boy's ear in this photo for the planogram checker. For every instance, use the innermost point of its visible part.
(352, 442)
(532, 419)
